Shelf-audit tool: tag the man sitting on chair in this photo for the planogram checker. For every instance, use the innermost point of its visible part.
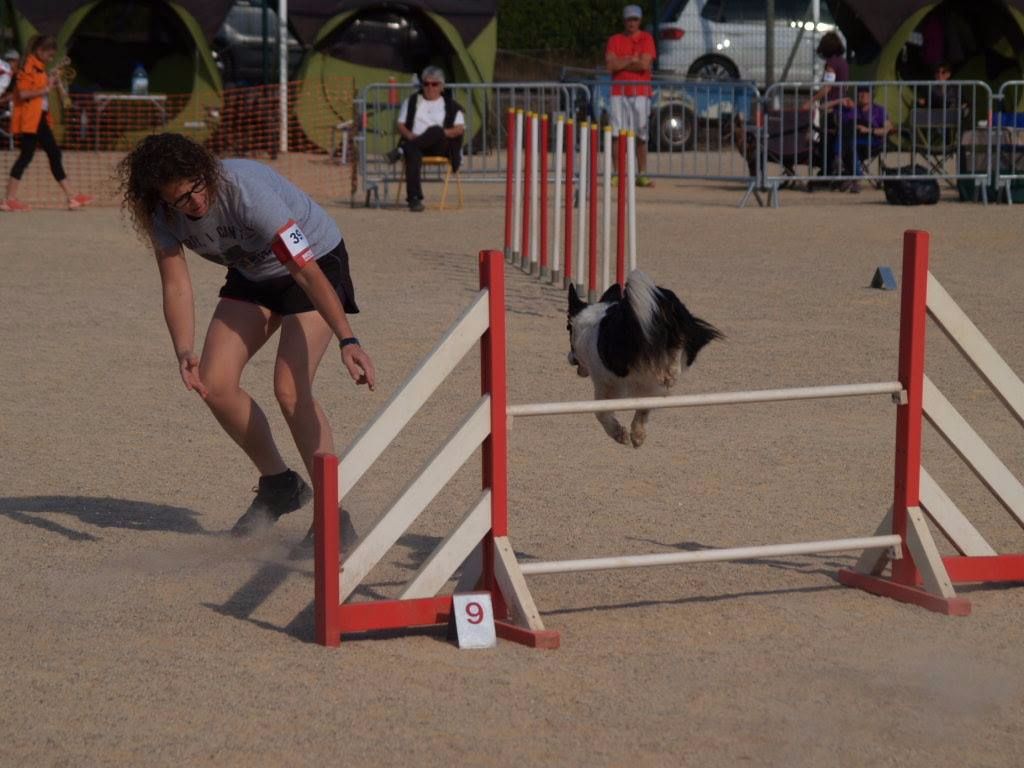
(430, 122)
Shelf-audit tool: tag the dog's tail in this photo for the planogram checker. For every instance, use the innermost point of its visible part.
(664, 320)
(642, 295)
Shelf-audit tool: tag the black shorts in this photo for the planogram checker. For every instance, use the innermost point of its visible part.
(283, 296)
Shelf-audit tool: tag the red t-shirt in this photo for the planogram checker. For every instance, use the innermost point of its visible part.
(626, 46)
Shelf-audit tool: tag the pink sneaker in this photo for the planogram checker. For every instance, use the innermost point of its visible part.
(79, 201)
(14, 206)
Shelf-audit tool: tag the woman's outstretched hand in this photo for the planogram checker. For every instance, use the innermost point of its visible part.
(188, 367)
(359, 365)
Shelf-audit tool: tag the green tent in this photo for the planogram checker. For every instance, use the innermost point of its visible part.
(105, 39)
(897, 40)
(371, 42)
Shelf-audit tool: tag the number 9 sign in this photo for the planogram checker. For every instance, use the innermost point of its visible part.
(474, 620)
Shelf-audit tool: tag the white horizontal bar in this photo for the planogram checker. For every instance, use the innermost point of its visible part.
(708, 555)
(714, 398)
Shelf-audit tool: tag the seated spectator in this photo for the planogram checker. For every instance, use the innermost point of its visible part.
(431, 123)
(865, 128)
(941, 96)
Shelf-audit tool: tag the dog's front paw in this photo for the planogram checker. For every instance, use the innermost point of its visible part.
(637, 435)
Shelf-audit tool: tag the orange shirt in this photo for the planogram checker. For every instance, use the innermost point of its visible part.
(27, 112)
(631, 45)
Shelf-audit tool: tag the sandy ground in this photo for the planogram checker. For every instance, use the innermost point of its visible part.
(133, 632)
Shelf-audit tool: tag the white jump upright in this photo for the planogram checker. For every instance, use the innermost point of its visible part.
(480, 544)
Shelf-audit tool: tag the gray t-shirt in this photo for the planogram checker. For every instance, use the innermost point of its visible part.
(253, 204)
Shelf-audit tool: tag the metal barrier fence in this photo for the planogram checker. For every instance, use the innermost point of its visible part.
(95, 130)
(1008, 127)
(845, 133)
(485, 108)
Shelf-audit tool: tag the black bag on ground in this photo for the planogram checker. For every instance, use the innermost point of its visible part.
(910, 191)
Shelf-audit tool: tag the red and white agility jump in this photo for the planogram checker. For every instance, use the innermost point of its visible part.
(575, 201)
(480, 543)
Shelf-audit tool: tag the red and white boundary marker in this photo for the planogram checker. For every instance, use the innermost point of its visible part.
(582, 201)
(480, 543)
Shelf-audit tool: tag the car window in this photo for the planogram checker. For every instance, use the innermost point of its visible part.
(753, 10)
(382, 38)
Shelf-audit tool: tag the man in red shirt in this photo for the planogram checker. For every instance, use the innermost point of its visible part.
(629, 56)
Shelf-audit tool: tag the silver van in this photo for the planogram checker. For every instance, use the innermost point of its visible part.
(725, 39)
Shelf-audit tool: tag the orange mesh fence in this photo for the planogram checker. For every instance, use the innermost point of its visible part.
(96, 131)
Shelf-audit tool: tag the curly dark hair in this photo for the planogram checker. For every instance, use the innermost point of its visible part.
(831, 44)
(158, 160)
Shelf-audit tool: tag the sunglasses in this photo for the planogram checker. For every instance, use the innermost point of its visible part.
(198, 186)
(431, 84)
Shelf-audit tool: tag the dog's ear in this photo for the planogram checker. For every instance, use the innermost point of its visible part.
(614, 293)
(575, 305)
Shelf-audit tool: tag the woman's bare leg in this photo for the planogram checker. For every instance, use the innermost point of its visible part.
(237, 331)
(304, 339)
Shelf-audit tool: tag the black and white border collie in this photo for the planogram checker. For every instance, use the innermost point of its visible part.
(633, 345)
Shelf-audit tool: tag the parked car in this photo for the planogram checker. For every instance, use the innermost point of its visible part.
(725, 39)
(679, 108)
(238, 45)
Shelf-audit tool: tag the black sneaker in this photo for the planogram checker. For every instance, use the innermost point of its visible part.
(275, 496)
(394, 155)
(346, 531)
(416, 206)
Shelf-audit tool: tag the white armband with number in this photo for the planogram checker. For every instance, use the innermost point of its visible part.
(290, 245)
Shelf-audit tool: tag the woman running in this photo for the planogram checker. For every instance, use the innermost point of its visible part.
(287, 269)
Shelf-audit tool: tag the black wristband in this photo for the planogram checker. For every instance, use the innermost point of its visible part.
(347, 340)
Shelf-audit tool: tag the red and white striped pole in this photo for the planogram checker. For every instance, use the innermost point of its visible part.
(542, 235)
(510, 153)
(592, 293)
(606, 215)
(517, 191)
(570, 154)
(620, 221)
(524, 253)
(556, 238)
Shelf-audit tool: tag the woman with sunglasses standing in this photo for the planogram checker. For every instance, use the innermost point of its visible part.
(432, 123)
(30, 122)
(287, 269)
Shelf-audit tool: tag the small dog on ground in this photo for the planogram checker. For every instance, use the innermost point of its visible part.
(632, 344)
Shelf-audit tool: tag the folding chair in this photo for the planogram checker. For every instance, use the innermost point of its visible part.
(435, 161)
(788, 138)
(935, 136)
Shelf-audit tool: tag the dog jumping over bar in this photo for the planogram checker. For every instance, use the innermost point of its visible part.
(632, 343)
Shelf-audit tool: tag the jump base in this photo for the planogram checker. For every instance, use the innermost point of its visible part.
(883, 587)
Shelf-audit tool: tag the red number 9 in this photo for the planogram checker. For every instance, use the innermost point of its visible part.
(474, 613)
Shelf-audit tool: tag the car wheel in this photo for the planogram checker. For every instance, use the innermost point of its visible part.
(672, 128)
(714, 67)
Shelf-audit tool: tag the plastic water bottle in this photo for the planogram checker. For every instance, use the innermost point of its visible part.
(140, 81)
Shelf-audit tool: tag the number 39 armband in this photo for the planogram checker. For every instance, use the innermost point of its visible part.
(290, 245)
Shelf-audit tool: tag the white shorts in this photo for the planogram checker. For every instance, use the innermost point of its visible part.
(631, 113)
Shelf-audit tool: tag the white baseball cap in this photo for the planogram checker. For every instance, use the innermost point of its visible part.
(632, 12)
(12, 54)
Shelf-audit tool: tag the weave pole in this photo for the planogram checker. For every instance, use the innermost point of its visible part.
(606, 240)
(570, 154)
(542, 236)
(620, 219)
(592, 292)
(556, 239)
(580, 268)
(510, 153)
(524, 254)
(517, 191)
(631, 185)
